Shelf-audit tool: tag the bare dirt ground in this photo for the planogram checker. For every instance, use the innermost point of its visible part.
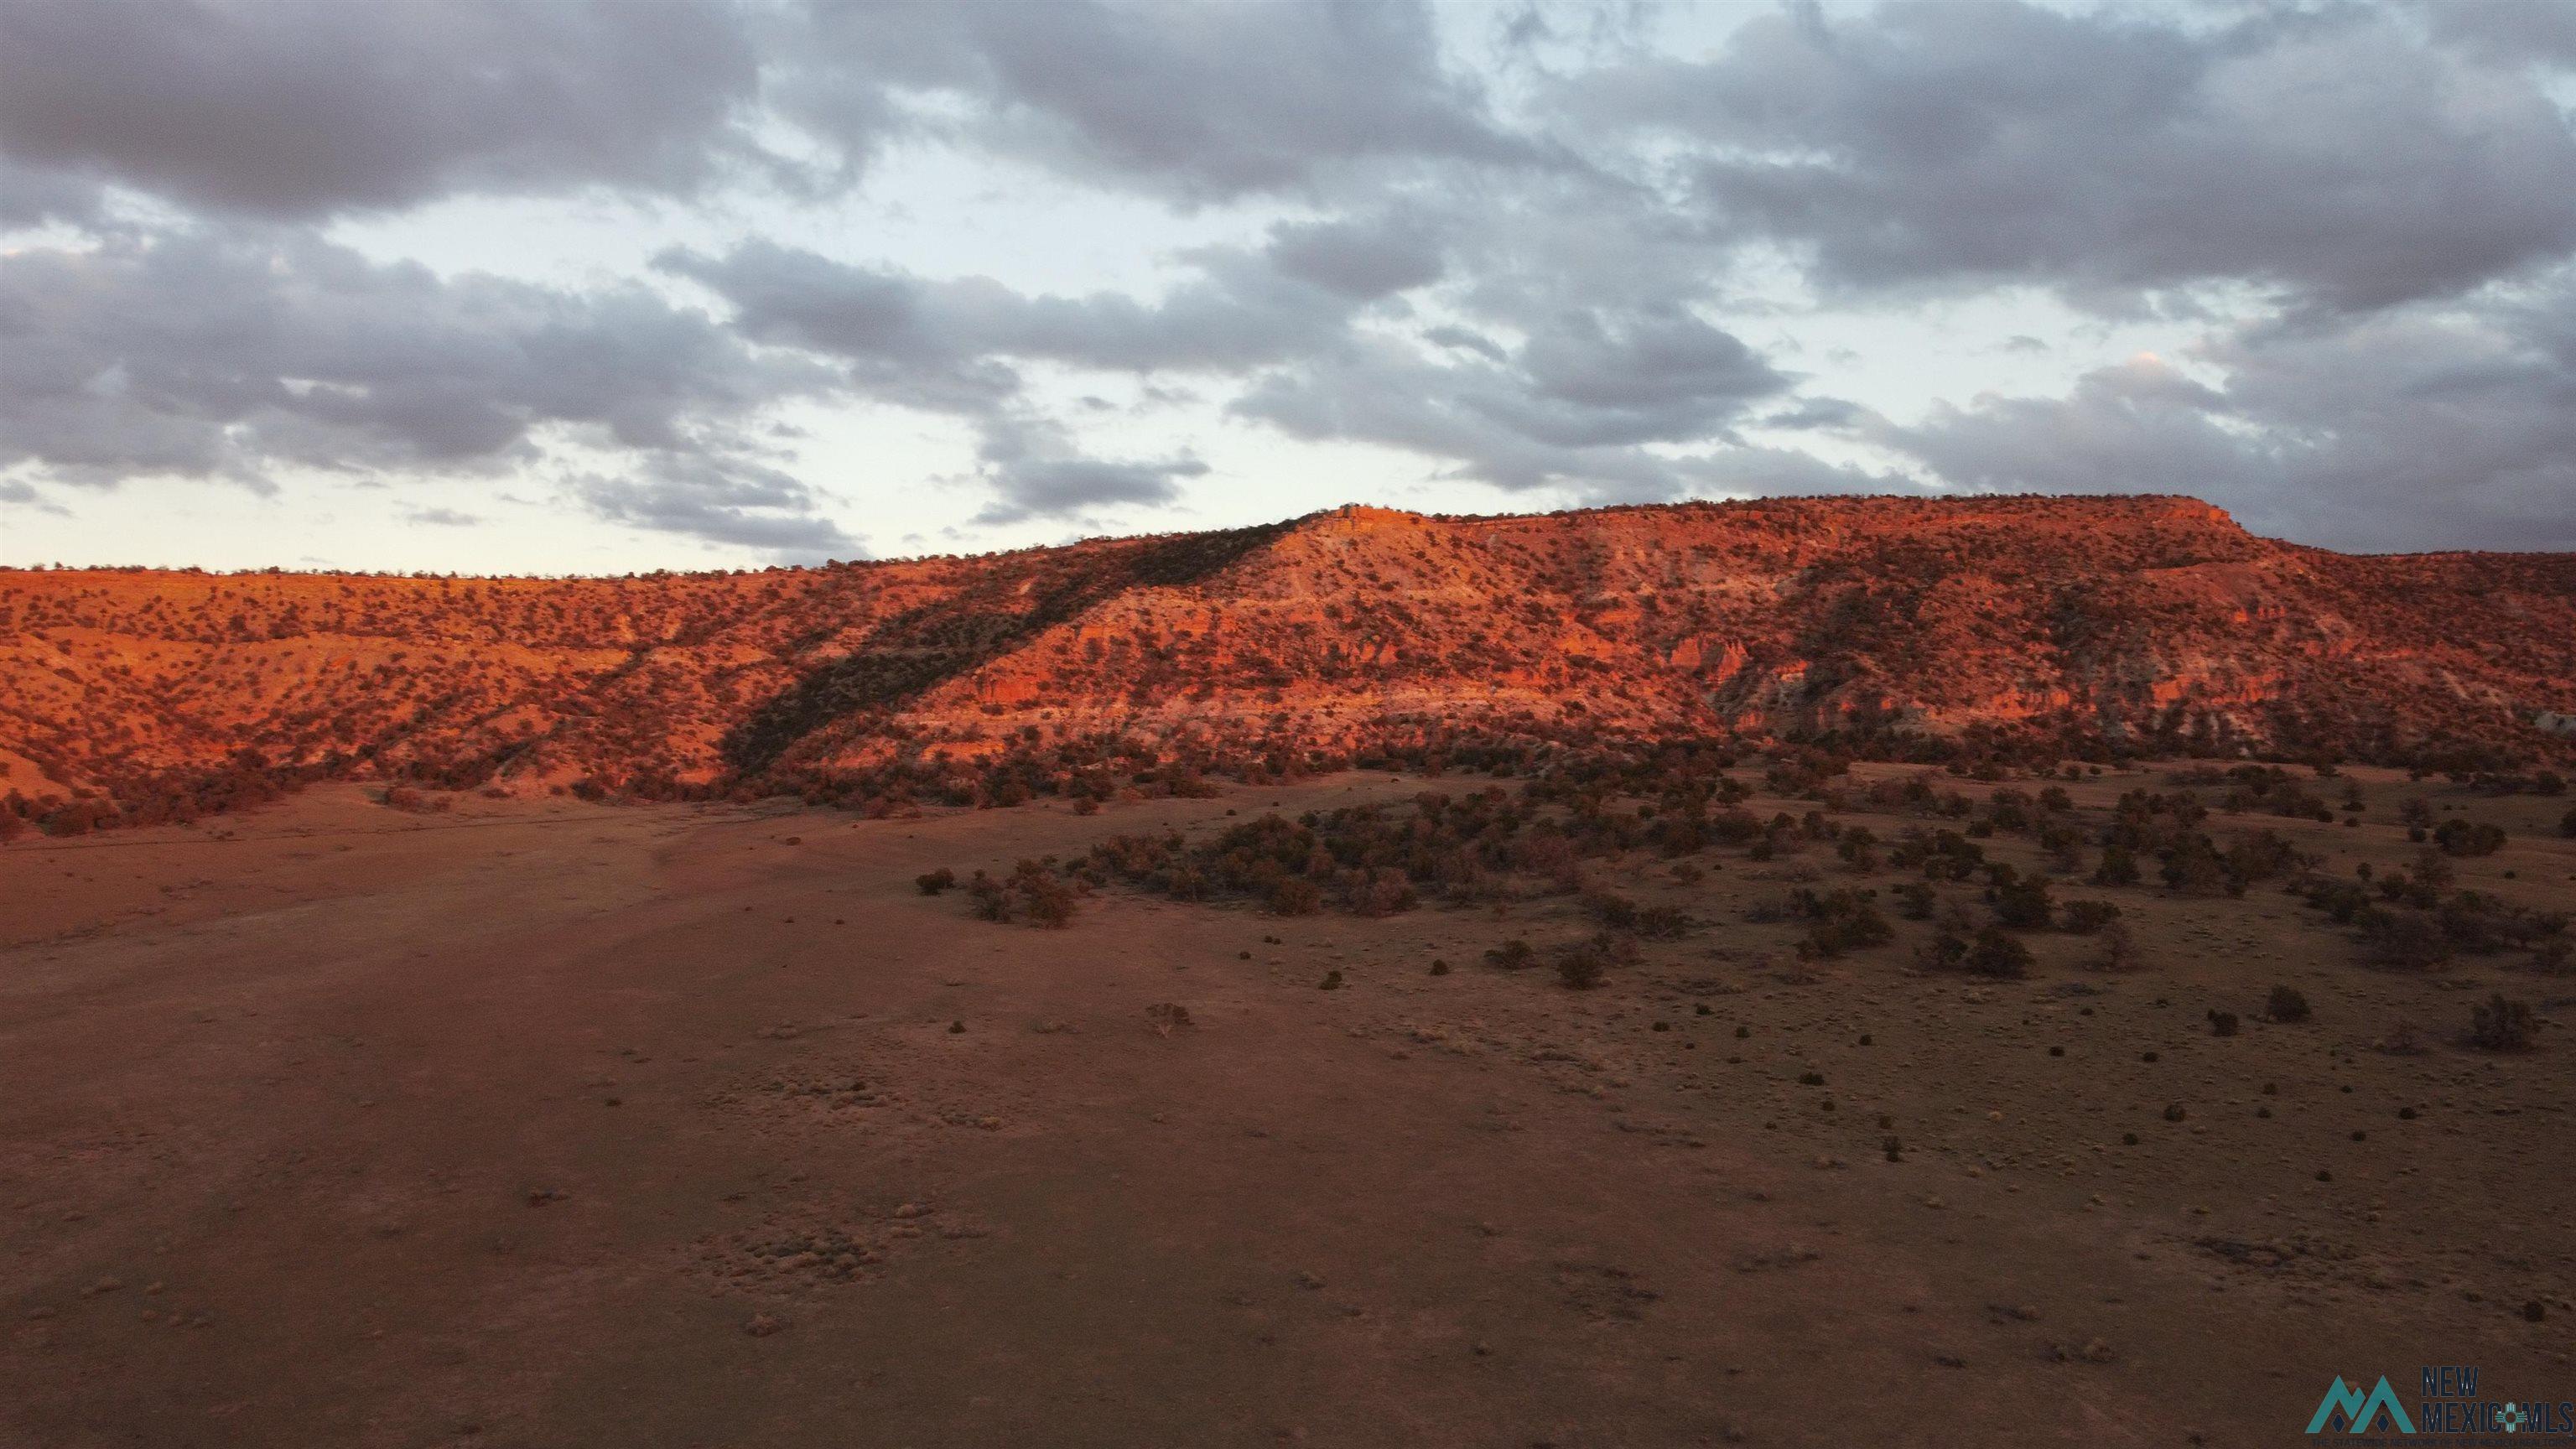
(533, 1125)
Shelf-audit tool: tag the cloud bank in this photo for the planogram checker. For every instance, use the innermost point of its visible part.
(1562, 257)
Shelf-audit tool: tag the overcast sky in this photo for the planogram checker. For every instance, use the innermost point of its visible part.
(530, 287)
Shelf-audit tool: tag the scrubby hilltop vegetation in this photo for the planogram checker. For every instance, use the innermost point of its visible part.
(1982, 629)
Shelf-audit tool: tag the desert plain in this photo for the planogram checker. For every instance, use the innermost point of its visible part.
(542, 1122)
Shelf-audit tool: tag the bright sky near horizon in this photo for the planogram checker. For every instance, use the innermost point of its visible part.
(514, 286)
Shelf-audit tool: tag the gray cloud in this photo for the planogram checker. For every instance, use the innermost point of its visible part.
(32, 196)
(719, 502)
(20, 493)
(2369, 210)
(441, 517)
(944, 344)
(1466, 341)
(1362, 260)
(1566, 409)
(949, 346)
(2417, 427)
(1203, 102)
(1663, 376)
(294, 108)
(1036, 471)
(211, 352)
(1568, 405)
(1070, 487)
(1970, 142)
(2508, 31)
(232, 353)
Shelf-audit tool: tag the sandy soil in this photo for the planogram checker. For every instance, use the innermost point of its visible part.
(567, 1125)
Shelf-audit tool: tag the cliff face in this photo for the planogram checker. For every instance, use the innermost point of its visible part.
(2112, 620)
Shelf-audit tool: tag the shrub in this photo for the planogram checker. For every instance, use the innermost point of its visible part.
(1043, 896)
(1995, 952)
(2119, 949)
(1611, 909)
(2286, 1004)
(1771, 909)
(2462, 837)
(2259, 855)
(2502, 1025)
(2404, 939)
(2553, 957)
(2432, 872)
(1386, 893)
(2021, 902)
(1581, 967)
(1512, 955)
(2222, 1023)
(1031, 893)
(1295, 896)
(933, 882)
(1840, 921)
(2567, 823)
(1942, 855)
(2087, 918)
(1915, 900)
(1663, 923)
(987, 898)
(1999, 954)
(2118, 868)
(2193, 866)
(1050, 905)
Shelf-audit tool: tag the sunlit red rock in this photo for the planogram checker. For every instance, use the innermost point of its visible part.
(2102, 623)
